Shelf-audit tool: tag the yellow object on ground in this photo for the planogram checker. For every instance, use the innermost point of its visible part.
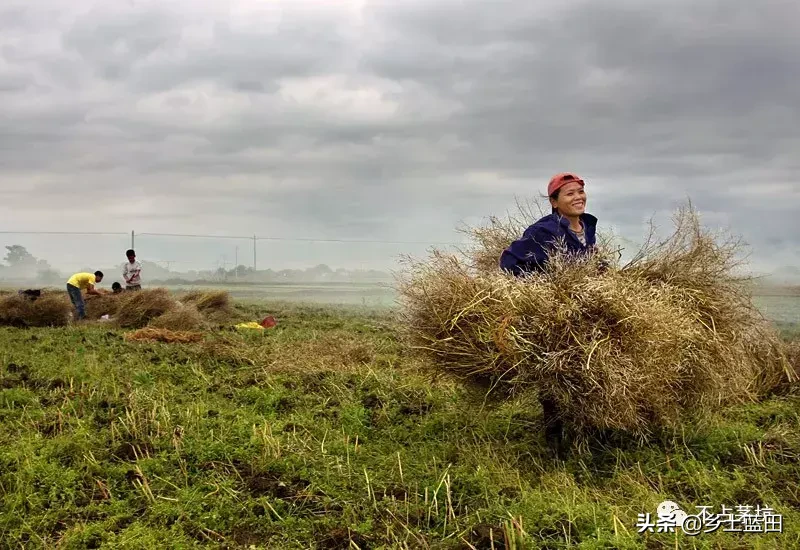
(251, 324)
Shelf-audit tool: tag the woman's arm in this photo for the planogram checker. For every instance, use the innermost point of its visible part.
(527, 254)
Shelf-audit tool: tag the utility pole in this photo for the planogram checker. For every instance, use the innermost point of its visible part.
(236, 264)
(254, 254)
(133, 238)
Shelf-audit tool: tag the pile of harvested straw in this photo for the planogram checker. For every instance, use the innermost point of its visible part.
(159, 309)
(50, 310)
(106, 304)
(150, 307)
(137, 309)
(182, 317)
(149, 334)
(215, 305)
(629, 347)
(214, 300)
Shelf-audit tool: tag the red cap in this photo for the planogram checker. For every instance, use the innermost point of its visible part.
(560, 180)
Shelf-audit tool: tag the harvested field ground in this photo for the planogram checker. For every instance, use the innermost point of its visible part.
(323, 433)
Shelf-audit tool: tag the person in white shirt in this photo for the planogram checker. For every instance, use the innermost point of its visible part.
(132, 272)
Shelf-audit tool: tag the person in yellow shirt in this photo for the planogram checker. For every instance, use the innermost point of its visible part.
(79, 282)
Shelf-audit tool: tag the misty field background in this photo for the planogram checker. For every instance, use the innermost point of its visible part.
(781, 306)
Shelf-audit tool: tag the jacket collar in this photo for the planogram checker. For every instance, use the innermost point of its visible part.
(588, 220)
(589, 225)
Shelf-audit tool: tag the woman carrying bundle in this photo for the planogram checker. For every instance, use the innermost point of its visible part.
(568, 224)
(569, 221)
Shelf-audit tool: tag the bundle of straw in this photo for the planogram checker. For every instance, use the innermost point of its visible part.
(105, 304)
(137, 309)
(154, 307)
(785, 384)
(215, 305)
(629, 347)
(50, 310)
(207, 301)
(183, 317)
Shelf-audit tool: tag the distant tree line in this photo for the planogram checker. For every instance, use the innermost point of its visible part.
(22, 265)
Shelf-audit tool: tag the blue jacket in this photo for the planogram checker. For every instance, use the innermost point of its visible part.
(531, 251)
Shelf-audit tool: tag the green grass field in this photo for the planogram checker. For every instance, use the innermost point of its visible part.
(325, 433)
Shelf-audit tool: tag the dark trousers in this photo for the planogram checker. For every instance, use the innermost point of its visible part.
(76, 298)
(133, 287)
(553, 425)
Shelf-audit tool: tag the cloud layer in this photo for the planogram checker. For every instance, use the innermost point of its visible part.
(391, 120)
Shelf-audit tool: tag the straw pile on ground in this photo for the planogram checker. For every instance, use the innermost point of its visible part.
(181, 317)
(215, 306)
(150, 334)
(157, 308)
(629, 348)
(50, 310)
(207, 301)
(106, 304)
(137, 309)
(150, 307)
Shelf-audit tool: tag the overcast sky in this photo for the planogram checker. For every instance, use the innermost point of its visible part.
(388, 120)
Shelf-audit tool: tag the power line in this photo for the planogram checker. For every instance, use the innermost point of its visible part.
(298, 239)
(351, 241)
(57, 233)
(192, 236)
(237, 237)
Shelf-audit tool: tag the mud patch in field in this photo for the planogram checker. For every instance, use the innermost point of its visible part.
(269, 484)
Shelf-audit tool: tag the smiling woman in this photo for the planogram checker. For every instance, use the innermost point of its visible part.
(568, 222)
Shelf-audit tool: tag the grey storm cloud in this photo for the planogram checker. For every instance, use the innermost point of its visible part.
(398, 119)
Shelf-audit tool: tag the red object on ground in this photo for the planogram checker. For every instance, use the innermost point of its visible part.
(269, 322)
